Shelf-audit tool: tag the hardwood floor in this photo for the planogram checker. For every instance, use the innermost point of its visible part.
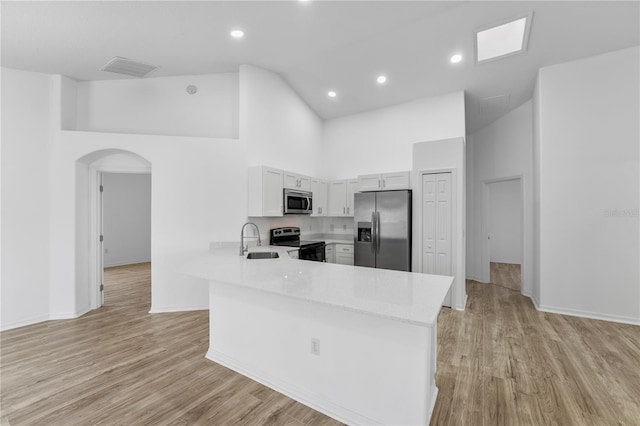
(503, 362)
(505, 275)
(499, 362)
(119, 365)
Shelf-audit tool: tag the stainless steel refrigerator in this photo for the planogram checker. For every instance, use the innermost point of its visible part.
(383, 230)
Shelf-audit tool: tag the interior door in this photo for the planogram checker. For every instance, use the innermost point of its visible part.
(437, 226)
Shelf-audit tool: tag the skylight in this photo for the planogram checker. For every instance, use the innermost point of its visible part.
(503, 40)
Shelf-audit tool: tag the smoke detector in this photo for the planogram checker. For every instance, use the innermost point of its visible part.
(126, 66)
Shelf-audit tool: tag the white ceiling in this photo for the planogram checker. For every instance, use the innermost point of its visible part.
(319, 45)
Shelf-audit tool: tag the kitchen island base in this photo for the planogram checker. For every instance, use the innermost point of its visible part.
(356, 367)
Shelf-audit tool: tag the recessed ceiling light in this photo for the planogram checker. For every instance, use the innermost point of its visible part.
(332, 94)
(503, 40)
(381, 79)
(237, 33)
(456, 58)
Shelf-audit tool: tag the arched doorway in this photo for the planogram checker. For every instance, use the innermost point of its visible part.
(89, 216)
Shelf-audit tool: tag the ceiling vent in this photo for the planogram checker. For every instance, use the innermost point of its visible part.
(126, 66)
(493, 106)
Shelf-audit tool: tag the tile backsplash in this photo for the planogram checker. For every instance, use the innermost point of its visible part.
(307, 225)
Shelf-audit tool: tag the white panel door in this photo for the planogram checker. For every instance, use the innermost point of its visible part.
(443, 224)
(437, 225)
(429, 224)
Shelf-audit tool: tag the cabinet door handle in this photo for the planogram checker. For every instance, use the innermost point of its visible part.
(344, 211)
(379, 186)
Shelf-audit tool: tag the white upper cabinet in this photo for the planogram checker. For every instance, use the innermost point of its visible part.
(296, 181)
(352, 188)
(341, 194)
(370, 183)
(319, 190)
(384, 182)
(265, 192)
(338, 198)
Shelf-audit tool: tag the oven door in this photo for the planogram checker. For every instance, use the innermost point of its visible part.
(314, 252)
(297, 202)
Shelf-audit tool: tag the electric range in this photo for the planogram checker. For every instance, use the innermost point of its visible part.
(290, 237)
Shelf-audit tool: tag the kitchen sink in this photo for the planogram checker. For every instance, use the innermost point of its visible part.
(263, 255)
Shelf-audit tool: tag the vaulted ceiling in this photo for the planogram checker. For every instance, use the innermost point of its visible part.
(319, 46)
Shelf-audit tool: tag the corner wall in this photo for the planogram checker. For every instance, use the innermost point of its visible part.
(435, 157)
(587, 159)
(26, 132)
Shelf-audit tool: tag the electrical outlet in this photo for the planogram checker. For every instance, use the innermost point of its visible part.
(332, 227)
(344, 227)
(106, 250)
(315, 346)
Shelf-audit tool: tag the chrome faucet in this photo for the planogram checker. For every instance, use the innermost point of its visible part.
(244, 249)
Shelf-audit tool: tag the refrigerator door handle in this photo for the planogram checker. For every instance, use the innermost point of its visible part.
(373, 232)
(377, 232)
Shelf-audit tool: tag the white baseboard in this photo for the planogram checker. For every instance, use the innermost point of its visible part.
(536, 304)
(310, 399)
(42, 318)
(24, 322)
(464, 303)
(586, 314)
(167, 309)
(62, 316)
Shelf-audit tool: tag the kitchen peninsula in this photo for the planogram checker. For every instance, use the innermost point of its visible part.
(358, 344)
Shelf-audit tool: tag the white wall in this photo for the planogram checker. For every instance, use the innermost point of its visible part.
(196, 198)
(382, 140)
(26, 131)
(503, 149)
(589, 186)
(505, 221)
(160, 106)
(279, 128)
(198, 184)
(438, 156)
(126, 218)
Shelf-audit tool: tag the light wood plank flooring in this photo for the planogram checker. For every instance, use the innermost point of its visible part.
(505, 275)
(499, 362)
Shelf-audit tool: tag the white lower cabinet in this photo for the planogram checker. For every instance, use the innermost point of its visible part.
(330, 253)
(344, 254)
(294, 254)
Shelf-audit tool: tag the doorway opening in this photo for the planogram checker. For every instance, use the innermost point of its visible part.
(503, 233)
(125, 239)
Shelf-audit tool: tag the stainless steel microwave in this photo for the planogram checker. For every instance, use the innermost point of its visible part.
(297, 202)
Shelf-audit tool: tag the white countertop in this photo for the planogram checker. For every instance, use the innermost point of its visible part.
(403, 296)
